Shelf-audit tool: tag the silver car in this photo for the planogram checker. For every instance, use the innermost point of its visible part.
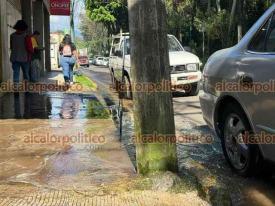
(238, 98)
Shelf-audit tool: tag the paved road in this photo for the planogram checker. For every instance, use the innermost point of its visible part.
(206, 159)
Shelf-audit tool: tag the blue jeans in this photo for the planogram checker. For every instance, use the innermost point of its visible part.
(16, 71)
(67, 64)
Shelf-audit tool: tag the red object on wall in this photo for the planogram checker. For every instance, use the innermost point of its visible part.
(60, 7)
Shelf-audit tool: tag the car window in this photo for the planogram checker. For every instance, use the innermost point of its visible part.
(258, 42)
(127, 52)
(270, 40)
(115, 46)
(173, 44)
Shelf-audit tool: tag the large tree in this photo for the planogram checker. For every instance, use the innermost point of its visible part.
(153, 112)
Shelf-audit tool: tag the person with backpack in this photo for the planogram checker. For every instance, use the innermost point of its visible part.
(20, 45)
(68, 58)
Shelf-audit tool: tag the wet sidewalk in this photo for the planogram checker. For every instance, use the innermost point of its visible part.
(55, 143)
(63, 148)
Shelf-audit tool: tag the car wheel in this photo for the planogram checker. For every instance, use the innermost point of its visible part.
(127, 93)
(87, 65)
(241, 156)
(193, 89)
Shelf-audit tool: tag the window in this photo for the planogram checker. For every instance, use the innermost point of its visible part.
(270, 40)
(258, 42)
(115, 46)
(173, 44)
(127, 46)
(264, 40)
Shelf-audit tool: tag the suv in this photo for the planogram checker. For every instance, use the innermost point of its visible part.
(185, 66)
(238, 99)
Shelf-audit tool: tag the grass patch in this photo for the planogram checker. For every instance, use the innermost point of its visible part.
(95, 110)
(86, 82)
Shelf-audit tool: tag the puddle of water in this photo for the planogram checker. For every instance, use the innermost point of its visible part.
(51, 106)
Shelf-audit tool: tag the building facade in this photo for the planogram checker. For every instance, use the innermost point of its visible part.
(37, 16)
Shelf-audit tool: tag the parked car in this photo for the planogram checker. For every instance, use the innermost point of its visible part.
(185, 66)
(99, 61)
(83, 61)
(238, 100)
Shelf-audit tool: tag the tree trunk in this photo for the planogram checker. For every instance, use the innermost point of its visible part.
(153, 112)
(232, 15)
(240, 20)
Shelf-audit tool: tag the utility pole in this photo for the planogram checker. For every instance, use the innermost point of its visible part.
(72, 29)
(153, 112)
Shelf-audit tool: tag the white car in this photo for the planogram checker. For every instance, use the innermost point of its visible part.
(185, 66)
(99, 61)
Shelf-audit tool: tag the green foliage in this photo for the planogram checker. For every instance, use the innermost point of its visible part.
(97, 111)
(95, 37)
(188, 20)
(113, 14)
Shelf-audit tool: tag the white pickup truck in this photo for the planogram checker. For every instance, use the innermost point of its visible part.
(185, 66)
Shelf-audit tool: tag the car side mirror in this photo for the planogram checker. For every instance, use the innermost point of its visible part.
(187, 48)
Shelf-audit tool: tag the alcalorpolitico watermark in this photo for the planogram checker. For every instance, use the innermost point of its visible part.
(149, 87)
(52, 138)
(258, 138)
(255, 87)
(26, 86)
(157, 138)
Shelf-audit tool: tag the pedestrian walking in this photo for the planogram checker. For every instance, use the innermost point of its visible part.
(20, 45)
(68, 58)
(35, 67)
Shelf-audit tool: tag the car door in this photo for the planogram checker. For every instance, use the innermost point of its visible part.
(256, 71)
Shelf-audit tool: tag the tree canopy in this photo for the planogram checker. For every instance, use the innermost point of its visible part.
(221, 21)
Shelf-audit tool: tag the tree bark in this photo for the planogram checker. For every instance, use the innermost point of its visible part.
(153, 112)
(232, 15)
(240, 20)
